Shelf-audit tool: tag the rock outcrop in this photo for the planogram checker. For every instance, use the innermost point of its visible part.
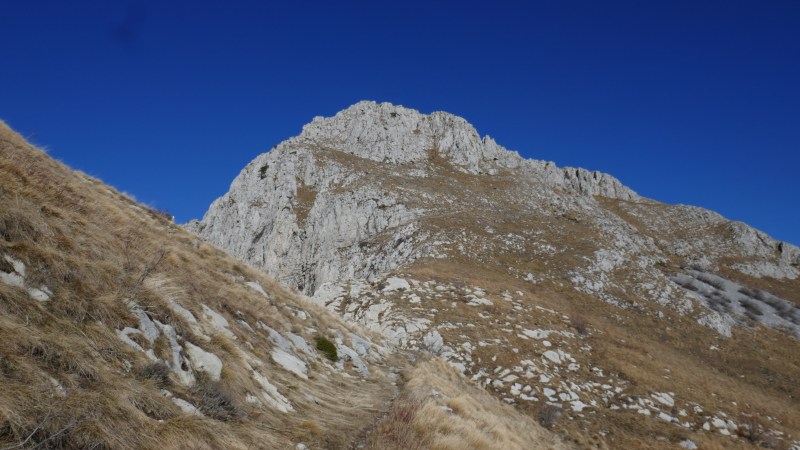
(304, 210)
(121, 330)
(353, 196)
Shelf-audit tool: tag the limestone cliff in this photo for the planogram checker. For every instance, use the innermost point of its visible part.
(318, 207)
(303, 210)
(550, 287)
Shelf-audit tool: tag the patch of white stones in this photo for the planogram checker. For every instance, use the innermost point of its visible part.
(188, 358)
(269, 393)
(365, 304)
(204, 361)
(403, 309)
(730, 303)
(291, 363)
(150, 330)
(218, 322)
(257, 287)
(16, 278)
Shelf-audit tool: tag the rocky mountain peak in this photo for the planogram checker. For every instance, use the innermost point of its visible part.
(305, 210)
(439, 240)
(394, 134)
(558, 291)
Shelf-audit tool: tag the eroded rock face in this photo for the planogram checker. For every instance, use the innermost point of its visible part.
(379, 186)
(440, 241)
(304, 211)
(285, 215)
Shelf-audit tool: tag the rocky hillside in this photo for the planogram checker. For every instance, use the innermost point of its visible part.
(563, 292)
(120, 330)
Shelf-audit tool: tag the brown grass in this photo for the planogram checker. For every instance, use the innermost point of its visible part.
(636, 347)
(95, 247)
(439, 409)
(304, 201)
(67, 380)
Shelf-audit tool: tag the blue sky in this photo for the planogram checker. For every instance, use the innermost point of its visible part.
(694, 102)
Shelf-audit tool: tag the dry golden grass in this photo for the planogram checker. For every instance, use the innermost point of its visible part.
(754, 372)
(67, 380)
(438, 409)
(306, 195)
(96, 248)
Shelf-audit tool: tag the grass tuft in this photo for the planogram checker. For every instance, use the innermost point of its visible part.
(216, 402)
(157, 371)
(327, 348)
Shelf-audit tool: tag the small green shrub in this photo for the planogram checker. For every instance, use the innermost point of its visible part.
(327, 348)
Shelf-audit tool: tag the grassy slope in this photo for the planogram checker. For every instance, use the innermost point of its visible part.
(68, 381)
(751, 373)
(439, 409)
(752, 376)
(96, 249)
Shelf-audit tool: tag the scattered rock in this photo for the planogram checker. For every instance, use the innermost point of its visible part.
(204, 361)
(257, 287)
(290, 362)
(396, 284)
(218, 322)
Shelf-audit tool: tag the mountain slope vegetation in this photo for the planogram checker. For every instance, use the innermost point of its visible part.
(605, 315)
(118, 329)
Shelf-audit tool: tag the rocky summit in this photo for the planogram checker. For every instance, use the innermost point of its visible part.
(303, 210)
(614, 319)
(120, 330)
(389, 280)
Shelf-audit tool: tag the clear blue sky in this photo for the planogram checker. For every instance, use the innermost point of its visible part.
(693, 102)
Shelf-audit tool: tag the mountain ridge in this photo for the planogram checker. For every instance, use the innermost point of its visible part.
(551, 288)
(464, 307)
(121, 330)
(396, 136)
